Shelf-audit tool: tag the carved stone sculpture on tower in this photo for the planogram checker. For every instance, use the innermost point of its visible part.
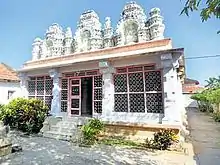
(44, 50)
(107, 23)
(36, 47)
(132, 27)
(132, 20)
(55, 38)
(68, 41)
(89, 33)
(108, 33)
(156, 25)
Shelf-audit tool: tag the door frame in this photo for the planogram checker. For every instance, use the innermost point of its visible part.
(74, 96)
(77, 76)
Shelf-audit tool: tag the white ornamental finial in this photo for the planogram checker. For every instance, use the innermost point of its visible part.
(36, 48)
(107, 23)
(68, 33)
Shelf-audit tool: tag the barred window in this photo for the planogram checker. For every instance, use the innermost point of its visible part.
(64, 95)
(97, 94)
(41, 88)
(138, 90)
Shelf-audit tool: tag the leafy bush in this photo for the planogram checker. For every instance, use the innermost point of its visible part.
(1, 107)
(91, 130)
(26, 115)
(162, 140)
(216, 116)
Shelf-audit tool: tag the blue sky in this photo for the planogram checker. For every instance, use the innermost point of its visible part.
(21, 21)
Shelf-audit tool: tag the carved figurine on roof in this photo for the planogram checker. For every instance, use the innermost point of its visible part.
(155, 23)
(36, 49)
(55, 40)
(88, 35)
(56, 43)
(108, 33)
(132, 22)
(68, 42)
(134, 27)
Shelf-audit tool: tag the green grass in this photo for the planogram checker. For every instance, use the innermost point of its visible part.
(115, 141)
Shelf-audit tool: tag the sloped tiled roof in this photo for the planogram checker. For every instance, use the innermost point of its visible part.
(192, 88)
(191, 81)
(7, 73)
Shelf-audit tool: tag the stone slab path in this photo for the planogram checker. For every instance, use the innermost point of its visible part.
(205, 136)
(43, 151)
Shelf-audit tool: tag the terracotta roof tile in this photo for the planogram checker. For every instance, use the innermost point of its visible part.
(191, 88)
(7, 73)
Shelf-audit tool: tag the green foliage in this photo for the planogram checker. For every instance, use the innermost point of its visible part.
(207, 8)
(209, 96)
(211, 8)
(91, 130)
(200, 96)
(216, 116)
(213, 83)
(119, 141)
(1, 107)
(26, 115)
(162, 140)
(213, 96)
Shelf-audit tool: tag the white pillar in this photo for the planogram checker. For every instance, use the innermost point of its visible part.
(23, 85)
(172, 113)
(56, 101)
(108, 92)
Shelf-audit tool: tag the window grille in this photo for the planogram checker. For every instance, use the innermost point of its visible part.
(64, 95)
(41, 88)
(121, 103)
(138, 90)
(97, 95)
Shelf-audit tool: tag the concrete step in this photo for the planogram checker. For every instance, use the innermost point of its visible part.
(65, 123)
(62, 129)
(66, 129)
(58, 135)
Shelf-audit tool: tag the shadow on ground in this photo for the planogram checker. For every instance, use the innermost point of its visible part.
(42, 151)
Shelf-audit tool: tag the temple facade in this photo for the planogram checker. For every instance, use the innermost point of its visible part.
(127, 74)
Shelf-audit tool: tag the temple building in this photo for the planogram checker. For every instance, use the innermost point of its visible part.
(128, 74)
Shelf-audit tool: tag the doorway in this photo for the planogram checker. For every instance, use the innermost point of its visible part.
(86, 96)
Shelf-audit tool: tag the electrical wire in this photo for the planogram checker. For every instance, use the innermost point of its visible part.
(202, 57)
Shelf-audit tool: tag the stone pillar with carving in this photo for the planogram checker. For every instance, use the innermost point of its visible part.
(107, 89)
(56, 101)
(23, 85)
(172, 114)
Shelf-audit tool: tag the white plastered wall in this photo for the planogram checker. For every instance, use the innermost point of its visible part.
(5, 87)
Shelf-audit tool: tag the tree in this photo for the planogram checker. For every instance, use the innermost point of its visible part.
(213, 83)
(207, 8)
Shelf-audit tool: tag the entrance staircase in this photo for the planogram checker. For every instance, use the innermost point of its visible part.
(63, 128)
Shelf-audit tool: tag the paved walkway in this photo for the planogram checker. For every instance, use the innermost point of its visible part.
(43, 151)
(205, 135)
